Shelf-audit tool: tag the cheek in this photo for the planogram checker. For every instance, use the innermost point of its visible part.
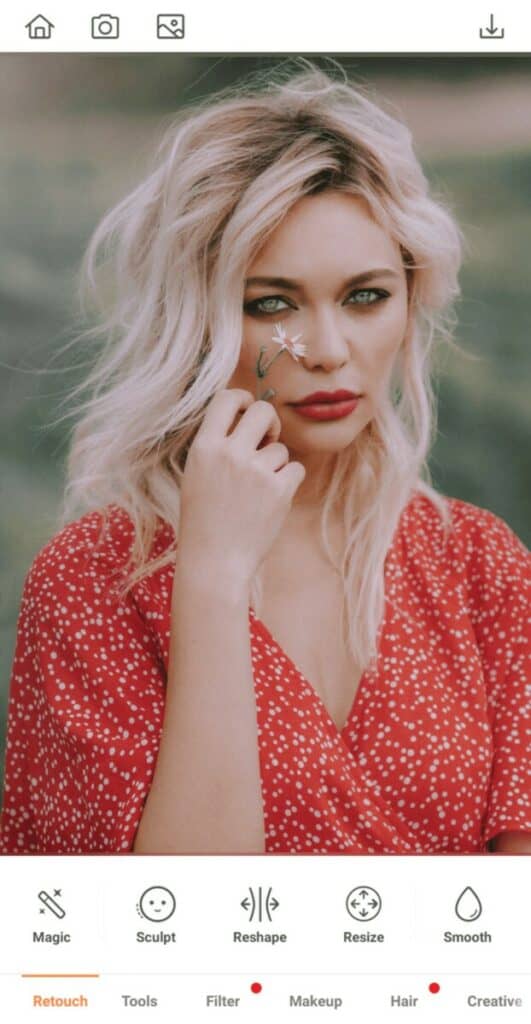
(384, 342)
(254, 338)
(250, 352)
(245, 371)
(387, 334)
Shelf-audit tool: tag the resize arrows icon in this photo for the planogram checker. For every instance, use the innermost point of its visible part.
(364, 903)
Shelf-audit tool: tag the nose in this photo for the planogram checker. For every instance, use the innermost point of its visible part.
(327, 347)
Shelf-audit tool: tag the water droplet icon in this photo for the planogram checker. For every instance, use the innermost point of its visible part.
(468, 906)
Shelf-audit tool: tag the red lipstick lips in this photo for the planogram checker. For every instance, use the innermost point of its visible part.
(326, 405)
(326, 396)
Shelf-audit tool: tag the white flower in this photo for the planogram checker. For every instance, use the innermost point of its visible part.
(290, 344)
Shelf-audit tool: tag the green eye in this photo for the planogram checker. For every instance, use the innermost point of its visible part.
(267, 304)
(369, 291)
(264, 305)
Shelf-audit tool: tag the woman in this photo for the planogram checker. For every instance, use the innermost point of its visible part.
(267, 631)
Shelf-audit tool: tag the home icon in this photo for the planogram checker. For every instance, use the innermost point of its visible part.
(39, 27)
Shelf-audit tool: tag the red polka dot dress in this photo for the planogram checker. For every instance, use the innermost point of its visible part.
(434, 756)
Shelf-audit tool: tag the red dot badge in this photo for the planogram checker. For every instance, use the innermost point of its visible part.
(256, 987)
(434, 987)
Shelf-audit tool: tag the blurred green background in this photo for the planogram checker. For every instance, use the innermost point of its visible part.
(76, 133)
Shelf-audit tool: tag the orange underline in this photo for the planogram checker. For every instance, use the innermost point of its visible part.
(59, 975)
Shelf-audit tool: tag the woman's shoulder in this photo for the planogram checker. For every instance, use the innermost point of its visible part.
(471, 527)
(97, 542)
(477, 546)
(90, 556)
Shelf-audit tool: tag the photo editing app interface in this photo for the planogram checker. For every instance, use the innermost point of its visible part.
(265, 692)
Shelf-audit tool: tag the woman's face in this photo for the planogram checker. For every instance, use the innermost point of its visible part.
(352, 330)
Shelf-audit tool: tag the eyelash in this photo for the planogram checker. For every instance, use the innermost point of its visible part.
(252, 306)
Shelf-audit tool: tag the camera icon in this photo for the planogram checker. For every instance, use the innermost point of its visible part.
(105, 26)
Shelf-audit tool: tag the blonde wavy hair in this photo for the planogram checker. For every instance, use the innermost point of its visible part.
(165, 270)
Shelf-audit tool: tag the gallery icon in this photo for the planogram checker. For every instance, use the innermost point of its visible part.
(170, 26)
(105, 26)
(156, 903)
(39, 27)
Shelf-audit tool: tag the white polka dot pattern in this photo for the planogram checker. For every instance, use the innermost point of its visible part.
(434, 756)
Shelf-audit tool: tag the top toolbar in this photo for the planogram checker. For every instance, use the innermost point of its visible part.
(235, 26)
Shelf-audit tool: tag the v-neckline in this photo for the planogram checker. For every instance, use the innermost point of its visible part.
(273, 642)
(369, 671)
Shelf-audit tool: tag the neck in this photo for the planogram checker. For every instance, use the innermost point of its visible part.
(310, 495)
(301, 530)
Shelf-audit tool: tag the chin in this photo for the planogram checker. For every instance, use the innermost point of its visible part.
(328, 445)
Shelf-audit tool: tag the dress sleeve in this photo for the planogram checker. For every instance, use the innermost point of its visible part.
(503, 590)
(84, 713)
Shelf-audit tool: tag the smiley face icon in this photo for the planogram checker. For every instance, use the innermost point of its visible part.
(156, 903)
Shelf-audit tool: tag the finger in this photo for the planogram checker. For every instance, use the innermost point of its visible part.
(259, 423)
(221, 412)
(273, 456)
(292, 475)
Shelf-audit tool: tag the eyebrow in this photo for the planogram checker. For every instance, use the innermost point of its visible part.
(286, 282)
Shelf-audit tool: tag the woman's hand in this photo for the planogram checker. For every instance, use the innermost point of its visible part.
(236, 491)
(512, 842)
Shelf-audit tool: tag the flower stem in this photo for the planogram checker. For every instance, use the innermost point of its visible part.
(271, 361)
(267, 394)
(261, 372)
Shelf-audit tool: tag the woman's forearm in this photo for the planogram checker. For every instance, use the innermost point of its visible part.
(206, 792)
